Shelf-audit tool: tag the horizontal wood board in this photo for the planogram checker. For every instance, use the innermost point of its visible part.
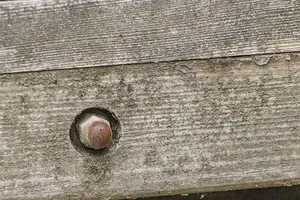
(189, 126)
(55, 34)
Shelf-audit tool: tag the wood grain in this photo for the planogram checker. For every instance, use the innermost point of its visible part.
(189, 126)
(56, 34)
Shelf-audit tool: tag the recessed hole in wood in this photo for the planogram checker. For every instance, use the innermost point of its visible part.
(90, 119)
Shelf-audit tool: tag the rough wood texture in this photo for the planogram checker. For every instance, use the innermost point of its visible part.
(187, 126)
(56, 34)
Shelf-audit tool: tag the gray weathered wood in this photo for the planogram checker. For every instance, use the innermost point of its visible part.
(187, 126)
(56, 34)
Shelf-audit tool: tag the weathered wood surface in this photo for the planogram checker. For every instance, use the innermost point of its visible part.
(187, 126)
(56, 34)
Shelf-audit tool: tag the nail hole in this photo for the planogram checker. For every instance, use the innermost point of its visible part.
(104, 113)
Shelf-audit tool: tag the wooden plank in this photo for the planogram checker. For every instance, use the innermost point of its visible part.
(56, 34)
(189, 126)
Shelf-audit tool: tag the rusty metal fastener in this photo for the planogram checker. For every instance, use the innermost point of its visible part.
(95, 132)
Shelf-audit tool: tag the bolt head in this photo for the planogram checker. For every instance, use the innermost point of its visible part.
(95, 132)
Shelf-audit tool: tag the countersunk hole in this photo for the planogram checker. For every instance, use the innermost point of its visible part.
(106, 114)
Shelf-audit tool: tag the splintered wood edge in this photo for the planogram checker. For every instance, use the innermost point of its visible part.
(187, 127)
(49, 35)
